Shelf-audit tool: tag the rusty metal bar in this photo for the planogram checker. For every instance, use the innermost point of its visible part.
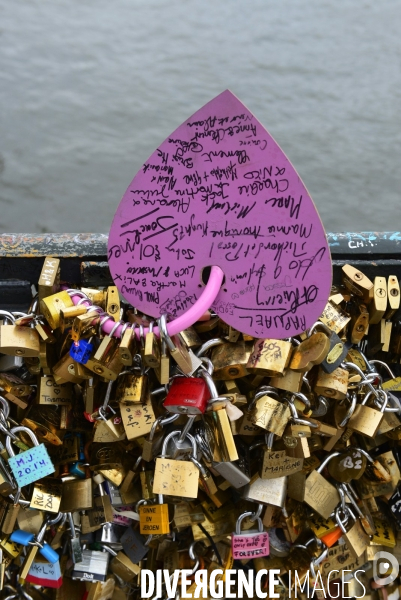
(84, 259)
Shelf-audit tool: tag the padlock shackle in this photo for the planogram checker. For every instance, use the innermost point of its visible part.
(7, 315)
(320, 325)
(365, 454)
(326, 460)
(257, 514)
(347, 513)
(174, 434)
(33, 437)
(207, 345)
(350, 411)
(186, 320)
(242, 517)
(383, 406)
(110, 550)
(207, 364)
(351, 498)
(264, 391)
(269, 437)
(303, 399)
(383, 364)
(210, 384)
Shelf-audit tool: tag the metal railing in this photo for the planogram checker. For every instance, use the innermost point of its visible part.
(84, 259)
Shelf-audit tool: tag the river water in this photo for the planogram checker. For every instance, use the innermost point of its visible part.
(90, 88)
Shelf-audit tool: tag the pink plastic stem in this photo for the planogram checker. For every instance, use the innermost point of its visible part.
(190, 317)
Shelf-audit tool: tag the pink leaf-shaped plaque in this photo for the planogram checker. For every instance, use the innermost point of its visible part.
(220, 191)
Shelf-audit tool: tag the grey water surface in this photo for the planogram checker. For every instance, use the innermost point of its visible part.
(89, 89)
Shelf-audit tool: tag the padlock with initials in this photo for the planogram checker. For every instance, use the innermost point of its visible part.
(348, 465)
(250, 544)
(31, 465)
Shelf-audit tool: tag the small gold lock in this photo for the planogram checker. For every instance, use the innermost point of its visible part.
(113, 302)
(230, 360)
(18, 340)
(127, 347)
(359, 323)
(64, 371)
(393, 292)
(51, 306)
(270, 357)
(357, 283)
(49, 279)
(271, 414)
(378, 306)
(67, 316)
(333, 385)
(106, 361)
(334, 317)
(84, 326)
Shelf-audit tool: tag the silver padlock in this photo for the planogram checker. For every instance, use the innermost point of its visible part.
(93, 566)
(267, 491)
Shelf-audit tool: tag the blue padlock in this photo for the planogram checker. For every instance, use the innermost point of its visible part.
(31, 465)
(78, 469)
(81, 351)
(24, 537)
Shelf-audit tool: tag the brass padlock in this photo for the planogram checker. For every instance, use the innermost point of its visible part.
(127, 347)
(333, 315)
(67, 316)
(151, 353)
(359, 323)
(365, 419)
(378, 306)
(310, 352)
(49, 279)
(277, 463)
(333, 385)
(355, 537)
(50, 307)
(269, 413)
(338, 348)
(84, 326)
(18, 340)
(113, 303)
(393, 293)
(357, 283)
(270, 357)
(230, 360)
(320, 494)
(290, 381)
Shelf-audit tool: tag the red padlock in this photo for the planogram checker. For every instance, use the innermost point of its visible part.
(187, 396)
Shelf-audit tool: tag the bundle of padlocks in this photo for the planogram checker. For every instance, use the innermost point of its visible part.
(207, 450)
